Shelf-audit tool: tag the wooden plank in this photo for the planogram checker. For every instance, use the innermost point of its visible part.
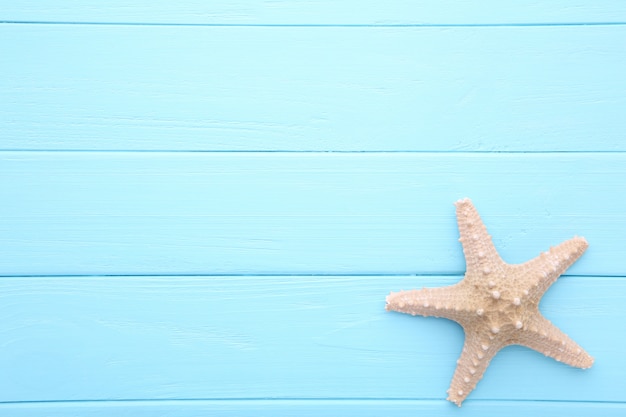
(305, 408)
(324, 12)
(299, 213)
(275, 337)
(85, 87)
(125, 338)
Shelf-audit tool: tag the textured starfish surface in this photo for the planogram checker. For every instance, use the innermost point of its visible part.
(496, 303)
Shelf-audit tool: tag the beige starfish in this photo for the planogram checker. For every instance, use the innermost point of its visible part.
(496, 303)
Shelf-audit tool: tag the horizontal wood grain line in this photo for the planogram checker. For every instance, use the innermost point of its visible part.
(325, 89)
(71, 339)
(207, 213)
(321, 12)
(276, 408)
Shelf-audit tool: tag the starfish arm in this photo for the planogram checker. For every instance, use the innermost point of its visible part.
(544, 270)
(541, 335)
(449, 302)
(471, 366)
(481, 256)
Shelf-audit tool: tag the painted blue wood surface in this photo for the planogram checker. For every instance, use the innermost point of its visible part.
(302, 213)
(318, 12)
(128, 338)
(315, 408)
(95, 87)
(204, 204)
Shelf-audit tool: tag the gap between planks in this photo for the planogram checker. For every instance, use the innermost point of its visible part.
(320, 25)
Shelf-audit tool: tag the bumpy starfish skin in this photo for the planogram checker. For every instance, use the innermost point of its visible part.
(497, 304)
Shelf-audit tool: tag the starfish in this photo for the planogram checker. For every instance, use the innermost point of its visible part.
(496, 303)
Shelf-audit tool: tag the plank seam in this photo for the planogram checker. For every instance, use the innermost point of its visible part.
(314, 25)
(288, 400)
(321, 152)
(269, 275)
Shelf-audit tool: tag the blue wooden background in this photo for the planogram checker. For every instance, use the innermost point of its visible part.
(204, 204)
